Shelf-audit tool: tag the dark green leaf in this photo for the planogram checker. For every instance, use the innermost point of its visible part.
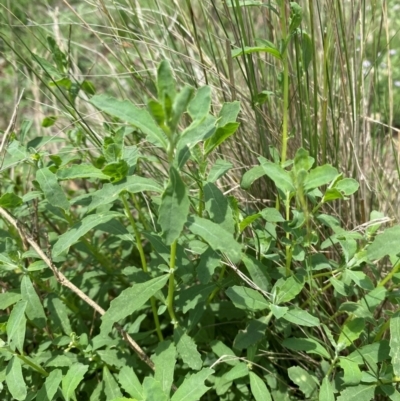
(72, 379)
(116, 171)
(254, 332)
(247, 298)
(257, 271)
(10, 200)
(49, 121)
(306, 344)
(193, 386)
(286, 290)
(220, 136)
(50, 386)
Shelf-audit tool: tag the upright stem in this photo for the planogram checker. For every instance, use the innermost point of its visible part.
(171, 284)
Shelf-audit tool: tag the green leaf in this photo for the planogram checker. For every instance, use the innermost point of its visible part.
(351, 331)
(257, 271)
(347, 186)
(352, 373)
(219, 168)
(152, 390)
(34, 309)
(228, 113)
(286, 290)
(216, 236)
(8, 298)
(307, 384)
(254, 332)
(278, 175)
(130, 383)
(16, 326)
(71, 380)
(180, 105)
(164, 359)
(326, 390)
(209, 261)
(395, 342)
(371, 353)
(224, 383)
(111, 387)
(302, 160)
(51, 189)
(49, 121)
(222, 350)
(296, 15)
(307, 49)
(174, 208)
(193, 386)
(364, 392)
(79, 229)
(116, 171)
(10, 200)
(384, 244)
(247, 298)
(258, 388)
(360, 279)
(126, 111)
(59, 314)
(391, 392)
(50, 386)
(200, 105)
(319, 176)
(165, 84)
(220, 136)
(306, 344)
(271, 215)
(272, 50)
(15, 380)
(187, 349)
(218, 207)
(251, 175)
(279, 311)
(301, 318)
(80, 171)
(130, 300)
(198, 131)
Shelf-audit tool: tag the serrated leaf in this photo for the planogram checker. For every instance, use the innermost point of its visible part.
(50, 386)
(81, 228)
(71, 380)
(193, 386)
(164, 359)
(34, 309)
(130, 383)
(308, 345)
(326, 391)
(218, 238)
(111, 387)
(126, 111)
(80, 171)
(301, 318)
(352, 373)
(364, 392)
(251, 175)
(258, 388)
(384, 244)
(219, 168)
(307, 384)
(130, 300)
(15, 380)
(174, 207)
(16, 326)
(278, 175)
(152, 390)
(395, 342)
(187, 349)
(319, 176)
(247, 298)
(52, 191)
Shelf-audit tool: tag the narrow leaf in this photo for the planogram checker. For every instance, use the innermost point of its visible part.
(34, 309)
(193, 386)
(15, 380)
(301, 318)
(326, 391)
(80, 171)
(187, 349)
(273, 51)
(50, 386)
(395, 342)
(111, 387)
(247, 298)
(251, 175)
(152, 390)
(364, 392)
(16, 326)
(130, 383)
(258, 388)
(164, 360)
(306, 344)
(72, 379)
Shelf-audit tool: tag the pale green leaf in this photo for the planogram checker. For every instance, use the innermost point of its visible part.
(71, 380)
(221, 350)
(8, 298)
(347, 186)
(301, 318)
(152, 390)
(164, 359)
(220, 136)
(15, 380)
(224, 383)
(130, 300)
(80, 171)
(51, 188)
(130, 383)
(371, 353)
(272, 50)
(278, 175)
(34, 309)
(165, 81)
(352, 373)
(272, 215)
(200, 105)
(307, 384)
(286, 290)
(50, 386)
(81, 228)
(384, 244)
(258, 388)
(326, 391)
(364, 392)
(279, 311)
(187, 349)
(320, 176)
(16, 326)
(251, 175)
(391, 392)
(218, 169)
(128, 112)
(308, 345)
(193, 386)
(198, 131)
(395, 342)
(351, 331)
(111, 387)
(247, 298)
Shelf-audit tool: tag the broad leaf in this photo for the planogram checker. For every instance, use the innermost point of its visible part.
(301, 318)
(326, 391)
(258, 388)
(50, 386)
(307, 384)
(34, 309)
(247, 298)
(130, 383)
(351, 331)
(16, 326)
(8, 298)
(187, 349)
(306, 344)
(219, 168)
(320, 176)
(164, 359)
(72, 379)
(251, 175)
(15, 380)
(364, 392)
(278, 175)
(352, 373)
(111, 387)
(152, 390)
(286, 290)
(80, 171)
(200, 105)
(193, 386)
(384, 244)
(254, 332)
(371, 353)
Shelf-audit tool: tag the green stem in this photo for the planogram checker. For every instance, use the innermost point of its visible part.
(389, 276)
(171, 284)
(139, 210)
(144, 263)
(217, 289)
(288, 247)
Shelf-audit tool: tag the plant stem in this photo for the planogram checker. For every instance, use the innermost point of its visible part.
(144, 263)
(171, 284)
(288, 247)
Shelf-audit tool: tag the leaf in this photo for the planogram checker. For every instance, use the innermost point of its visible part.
(51, 189)
(351, 331)
(301, 318)
(219, 168)
(71, 380)
(130, 383)
(218, 207)
(180, 105)
(302, 160)
(50, 386)
(34, 309)
(384, 244)
(188, 298)
(8, 298)
(174, 207)
(319, 176)
(279, 311)
(272, 50)
(80, 171)
(228, 113)
(130, 300)
(308, 345)
(391, 392)
(272, 215)
(216, 236)
(307, 384)
(152, 390)
(222, 351)
(247, 298)
(224, 383)
(371, 353)
(209, 261)
(126, 111)
(193, 386)
(16, 326)
(286, 290)
(165, 83)
(326, 390)
(257, 271)
(278, 175)
(258, 388)
(10, 200)
(360, 279)
(352, 373)
(79, 229)
(395, 342)
(198, 131)
(254, 332)
(15, 380)
(200, 105)
(251, 175)
(164, 359)
(220, 136)
(347, 186)
(364, 392)
(111, 387)
(187, 349)
(59, 314)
